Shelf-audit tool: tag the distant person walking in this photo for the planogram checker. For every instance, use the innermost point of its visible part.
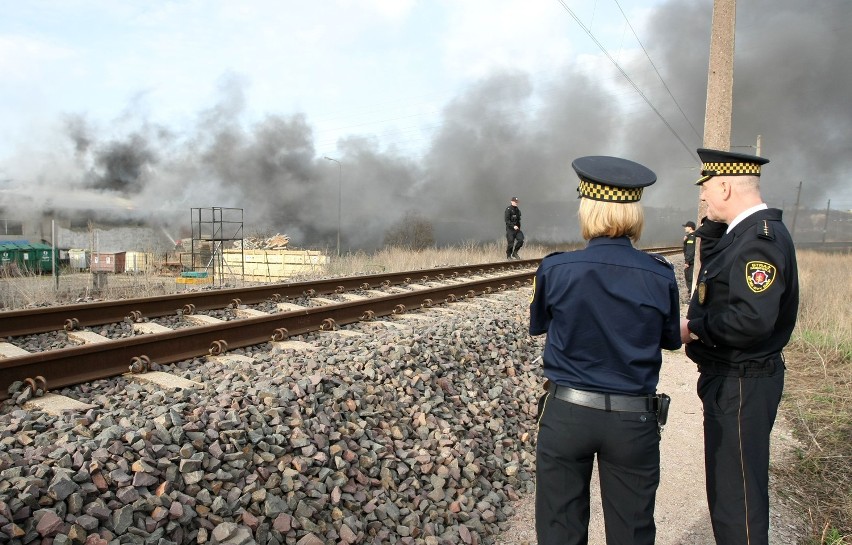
(514, 235)
(740, 318)
(688, 253)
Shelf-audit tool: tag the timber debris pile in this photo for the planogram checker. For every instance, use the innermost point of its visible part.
(277, 242)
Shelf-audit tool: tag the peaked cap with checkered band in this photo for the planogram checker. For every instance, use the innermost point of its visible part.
(725, 163)
(611, 179)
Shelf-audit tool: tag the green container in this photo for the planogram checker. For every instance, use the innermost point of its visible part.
(31, 258)
(42, 255)
(8, 256)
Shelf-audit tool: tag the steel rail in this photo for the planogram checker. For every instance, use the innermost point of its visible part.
(16, 323)
(69, 366)
(31, 321)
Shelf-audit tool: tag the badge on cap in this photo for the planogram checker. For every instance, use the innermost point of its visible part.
(759, 275)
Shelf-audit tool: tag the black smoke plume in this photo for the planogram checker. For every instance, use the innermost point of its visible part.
(505, 135)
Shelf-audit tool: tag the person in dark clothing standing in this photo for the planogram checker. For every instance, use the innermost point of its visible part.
(608, 311)
(740, 318)
(514, 235)
(688, 253)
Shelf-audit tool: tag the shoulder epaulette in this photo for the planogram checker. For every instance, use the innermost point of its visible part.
(554, 253)
(764, 231)
(662, 260)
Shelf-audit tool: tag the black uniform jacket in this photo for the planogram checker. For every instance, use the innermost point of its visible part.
(512, 217)
(747, 296)
(689, 248)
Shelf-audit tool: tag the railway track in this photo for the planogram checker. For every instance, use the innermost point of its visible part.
(416, 428)
(357, 299)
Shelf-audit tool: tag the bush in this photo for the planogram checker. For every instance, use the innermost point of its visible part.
(413, 232)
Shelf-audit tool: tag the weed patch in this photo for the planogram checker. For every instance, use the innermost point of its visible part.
(818, 400)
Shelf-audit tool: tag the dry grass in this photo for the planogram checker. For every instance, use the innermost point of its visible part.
(23, 291)
(818, 398)
(401, 259)
(32, 290)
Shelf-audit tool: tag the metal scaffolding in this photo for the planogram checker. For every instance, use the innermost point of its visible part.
(212, 228)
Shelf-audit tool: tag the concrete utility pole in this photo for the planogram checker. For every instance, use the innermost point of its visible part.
(825, 227)
(720, 76)
(796, 211)
(720, 91)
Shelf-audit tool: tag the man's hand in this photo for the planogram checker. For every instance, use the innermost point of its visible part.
(684, 331)
(516, 228)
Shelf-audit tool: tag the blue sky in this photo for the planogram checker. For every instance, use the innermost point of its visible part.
(378, 67)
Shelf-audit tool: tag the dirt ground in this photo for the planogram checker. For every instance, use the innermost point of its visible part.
(681, 508)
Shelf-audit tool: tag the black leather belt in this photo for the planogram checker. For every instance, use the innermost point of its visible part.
(605, 402)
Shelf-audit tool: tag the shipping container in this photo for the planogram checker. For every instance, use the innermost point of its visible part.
(78, 259)
(112, 262)
(138, 262)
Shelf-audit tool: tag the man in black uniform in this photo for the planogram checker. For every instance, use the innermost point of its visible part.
(740, 318)
(688, 253)
(514, 235)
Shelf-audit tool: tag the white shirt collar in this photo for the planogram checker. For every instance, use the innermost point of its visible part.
(744, 214)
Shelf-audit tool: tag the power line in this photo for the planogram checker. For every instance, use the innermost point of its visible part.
(636, 87)
(626, 20)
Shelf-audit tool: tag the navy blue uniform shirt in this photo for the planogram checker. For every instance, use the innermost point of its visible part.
(607, 310)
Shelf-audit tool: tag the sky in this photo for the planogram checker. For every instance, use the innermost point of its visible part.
(440, 108)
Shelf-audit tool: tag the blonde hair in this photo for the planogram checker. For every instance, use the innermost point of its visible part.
(611, 219)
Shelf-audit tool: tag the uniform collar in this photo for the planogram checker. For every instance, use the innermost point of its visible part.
(744, 214)
(620, 241)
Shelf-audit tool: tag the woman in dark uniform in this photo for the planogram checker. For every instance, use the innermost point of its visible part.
(608, 310)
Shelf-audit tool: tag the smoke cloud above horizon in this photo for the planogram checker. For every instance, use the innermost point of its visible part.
(507, 134)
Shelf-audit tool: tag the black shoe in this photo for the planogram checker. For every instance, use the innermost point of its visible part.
(516, 256)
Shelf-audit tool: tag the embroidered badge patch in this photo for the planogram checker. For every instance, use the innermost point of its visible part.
(759, 275)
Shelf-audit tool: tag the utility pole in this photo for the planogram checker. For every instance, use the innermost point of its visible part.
(720, 76)
(720, 92)
(796, 212)
(825, 227)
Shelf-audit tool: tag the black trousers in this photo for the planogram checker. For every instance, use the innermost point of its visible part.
(627, 446)
(687, 276)
(739, 413)
(514, 241)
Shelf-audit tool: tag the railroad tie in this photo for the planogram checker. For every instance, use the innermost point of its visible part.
(166, 380)
(9, 350)
(201, 319)
(298, 346)
(150, 327)
(86, 337)
(56, 404)
(324, 301)
(250, 313)
(288, 307)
